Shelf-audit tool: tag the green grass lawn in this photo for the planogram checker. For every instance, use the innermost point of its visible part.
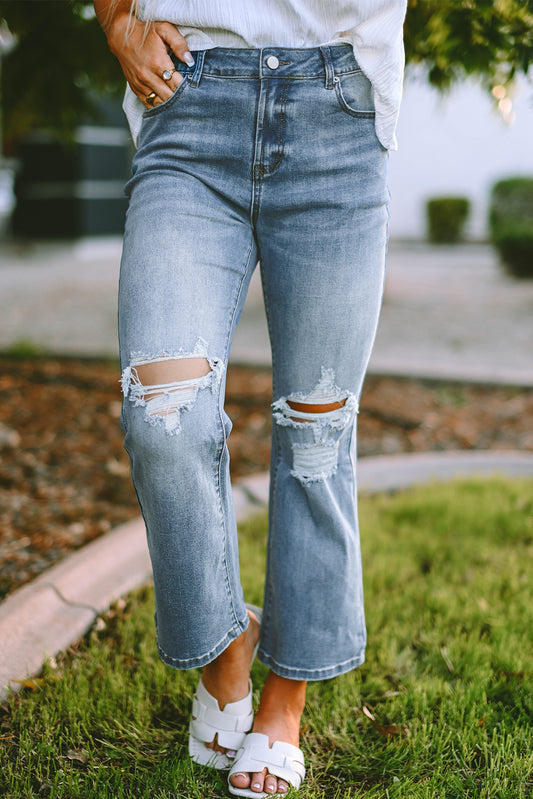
(448, 678)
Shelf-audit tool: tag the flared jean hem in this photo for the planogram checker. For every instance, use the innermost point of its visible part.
(311, 675)
(202, 660)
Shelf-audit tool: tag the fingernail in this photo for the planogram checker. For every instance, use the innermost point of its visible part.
(189, 60)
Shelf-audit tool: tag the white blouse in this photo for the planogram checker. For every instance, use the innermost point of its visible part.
(373, 28)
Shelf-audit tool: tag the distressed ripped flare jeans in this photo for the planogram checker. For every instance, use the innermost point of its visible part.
(266, 156)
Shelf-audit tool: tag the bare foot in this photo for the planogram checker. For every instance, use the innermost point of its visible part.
(227, 678)
(282, 704)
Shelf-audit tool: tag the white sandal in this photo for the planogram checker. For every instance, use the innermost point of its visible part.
(282, 760)
(229, 725)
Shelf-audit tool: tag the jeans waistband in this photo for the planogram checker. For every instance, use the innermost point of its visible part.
(274, 62)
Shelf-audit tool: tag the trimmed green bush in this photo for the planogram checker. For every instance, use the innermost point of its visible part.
(511, 224)
(446, 217)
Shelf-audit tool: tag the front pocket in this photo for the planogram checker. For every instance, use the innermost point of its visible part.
(151, 112)
(354, 93)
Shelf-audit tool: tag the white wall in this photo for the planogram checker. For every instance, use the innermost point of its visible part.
(458, 144)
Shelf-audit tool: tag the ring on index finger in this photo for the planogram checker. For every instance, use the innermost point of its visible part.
(167, 74)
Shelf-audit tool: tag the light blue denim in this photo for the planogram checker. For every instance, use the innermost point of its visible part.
(272, 156)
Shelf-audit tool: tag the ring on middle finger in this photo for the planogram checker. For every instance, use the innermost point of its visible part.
(167, 74)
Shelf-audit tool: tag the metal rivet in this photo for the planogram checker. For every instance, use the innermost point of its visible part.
(272, 62)
(335, 79)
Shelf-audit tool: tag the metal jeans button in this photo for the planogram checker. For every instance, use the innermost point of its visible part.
(272, 62)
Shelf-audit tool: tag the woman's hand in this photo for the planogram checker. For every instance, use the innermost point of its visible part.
(143, 52)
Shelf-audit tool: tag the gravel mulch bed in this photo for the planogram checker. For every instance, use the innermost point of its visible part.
(64, 477)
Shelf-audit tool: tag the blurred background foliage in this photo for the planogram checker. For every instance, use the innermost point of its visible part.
(60, 63)
(491, 39)
(58, 67)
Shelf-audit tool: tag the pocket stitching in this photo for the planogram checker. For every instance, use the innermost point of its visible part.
(353, 112)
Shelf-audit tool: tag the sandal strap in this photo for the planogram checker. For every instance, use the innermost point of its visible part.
(282, 760)
(230, 724)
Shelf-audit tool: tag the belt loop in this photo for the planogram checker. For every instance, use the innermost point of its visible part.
(198, 68)
(328, 66)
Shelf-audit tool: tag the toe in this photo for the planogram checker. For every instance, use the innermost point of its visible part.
(283, 787)
(240, 780)
(271, 784)
(258, 781)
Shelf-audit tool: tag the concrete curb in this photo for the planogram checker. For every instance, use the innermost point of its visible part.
(58, 607)
(48, 615)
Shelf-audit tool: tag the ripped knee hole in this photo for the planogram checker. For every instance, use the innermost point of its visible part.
(305, 407)
(160, 377)
(168, 385)
(317, 420)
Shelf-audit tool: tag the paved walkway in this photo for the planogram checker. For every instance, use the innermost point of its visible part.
(454, 312)
(448, 311)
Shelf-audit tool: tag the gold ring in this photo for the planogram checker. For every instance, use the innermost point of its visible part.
(167, 74)
(150, 98)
